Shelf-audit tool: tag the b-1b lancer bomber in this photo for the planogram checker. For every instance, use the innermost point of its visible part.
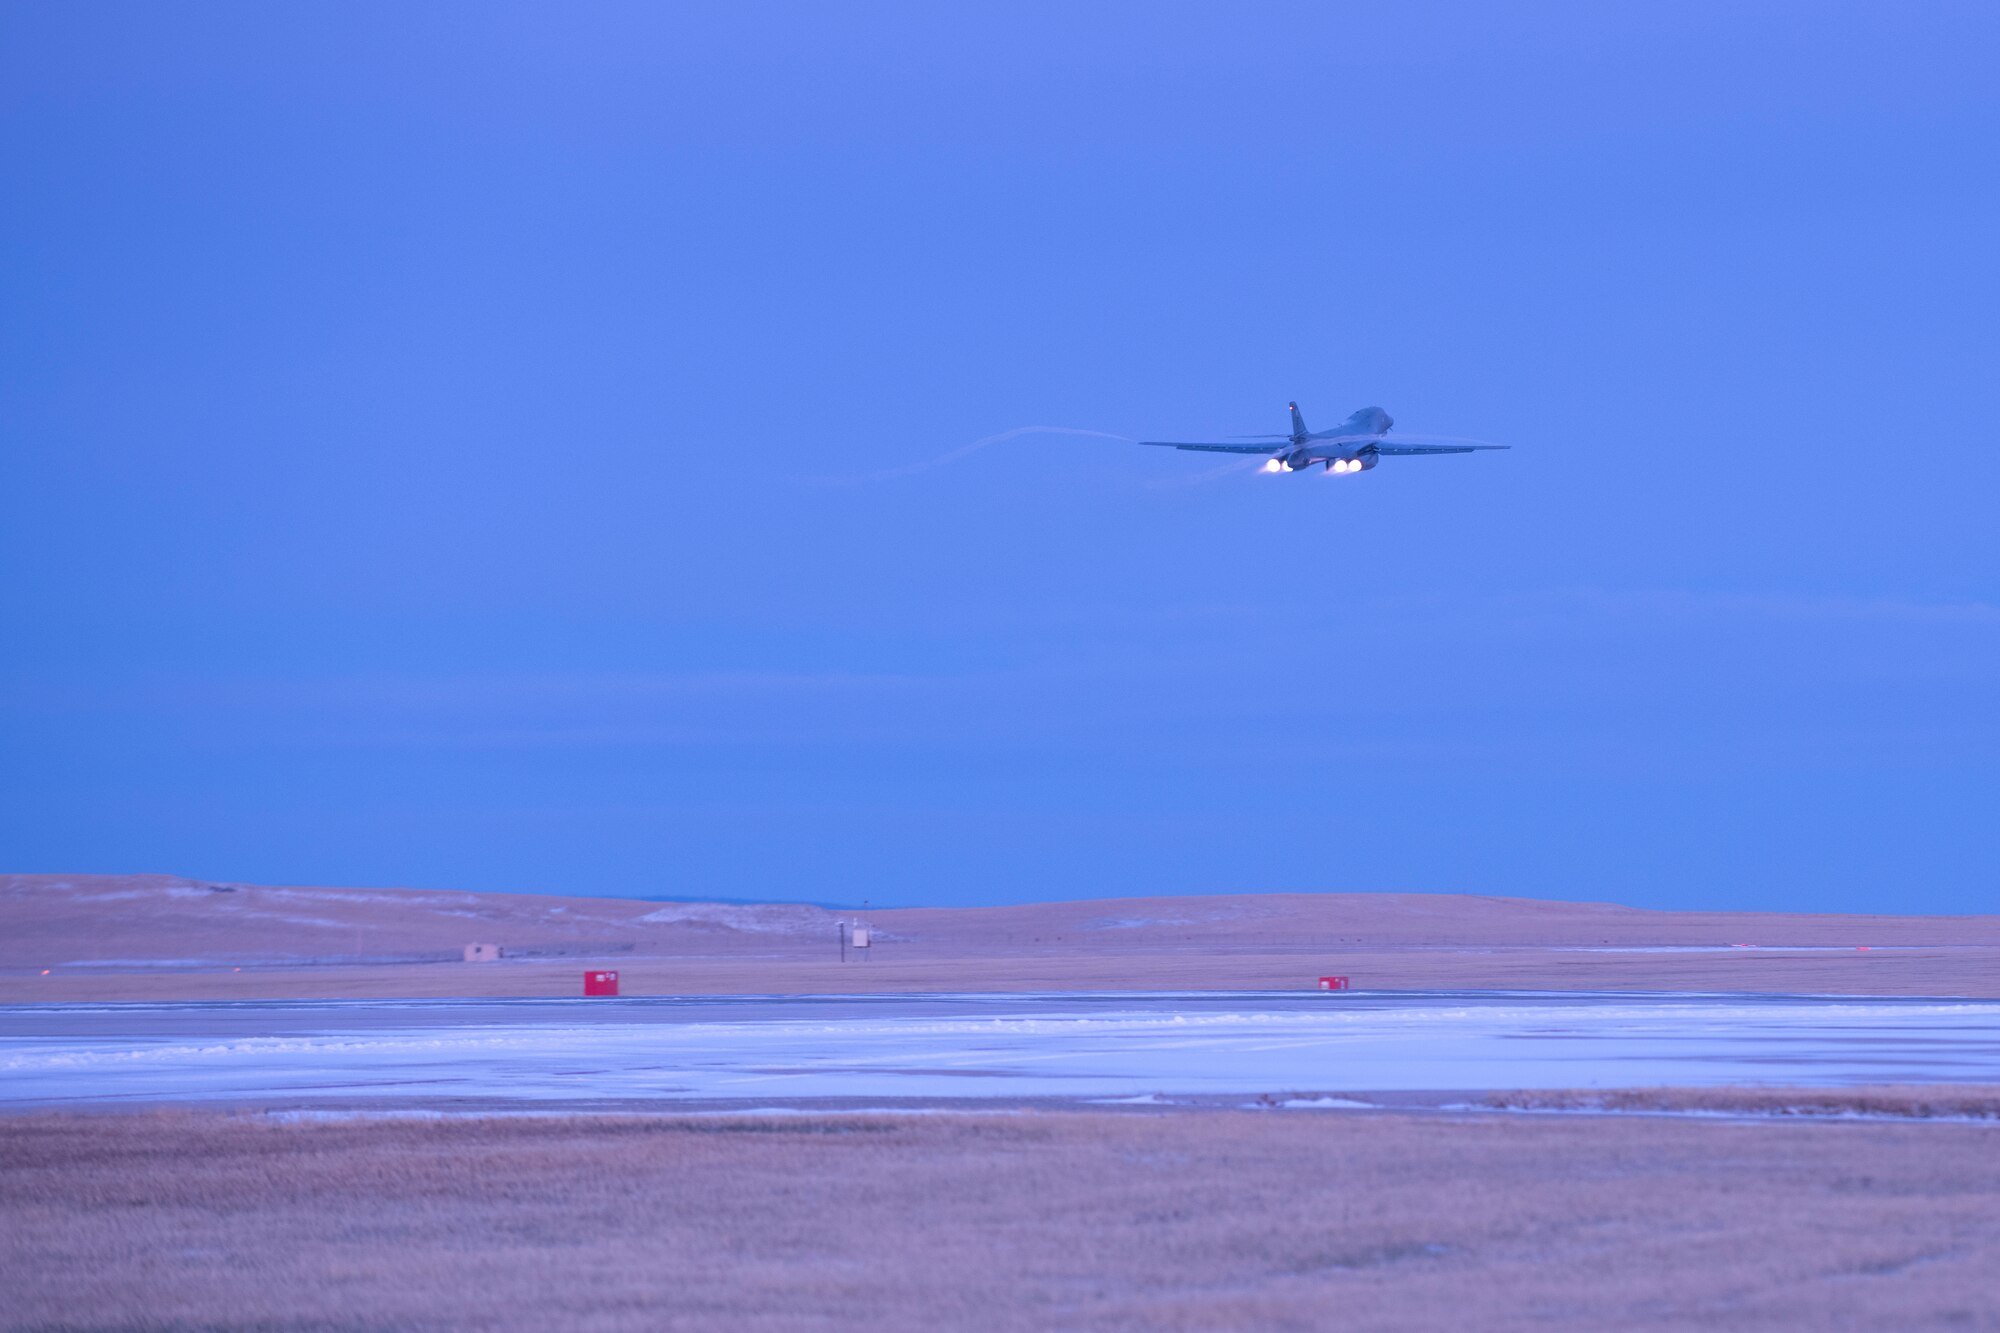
(1355, 445)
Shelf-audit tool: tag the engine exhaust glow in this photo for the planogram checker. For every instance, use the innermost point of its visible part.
(1273, 465)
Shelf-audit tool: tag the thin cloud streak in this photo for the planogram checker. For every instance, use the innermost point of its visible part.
(963, 451)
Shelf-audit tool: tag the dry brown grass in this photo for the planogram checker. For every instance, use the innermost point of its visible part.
(78, 927)
(1191, 1220)
(1958, 972)
(1910, 1103)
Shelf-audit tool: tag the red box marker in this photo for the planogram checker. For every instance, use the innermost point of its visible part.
(1333, 983)
(600, 983)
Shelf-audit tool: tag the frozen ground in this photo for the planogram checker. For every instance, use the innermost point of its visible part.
(765, 1050)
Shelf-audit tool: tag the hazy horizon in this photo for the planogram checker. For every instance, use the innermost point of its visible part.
(876, 905)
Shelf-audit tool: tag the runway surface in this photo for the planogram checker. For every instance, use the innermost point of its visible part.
(735, 1051)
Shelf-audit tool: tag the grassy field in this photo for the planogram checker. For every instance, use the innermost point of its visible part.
(1968, 971)
(1084, 1220)
(152, 937)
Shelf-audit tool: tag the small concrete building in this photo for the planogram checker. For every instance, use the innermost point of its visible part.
(482, 953)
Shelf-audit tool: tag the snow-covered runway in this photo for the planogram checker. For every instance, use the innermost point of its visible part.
(770, 1050)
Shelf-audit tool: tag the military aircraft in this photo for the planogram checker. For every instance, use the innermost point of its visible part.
(1355, 445)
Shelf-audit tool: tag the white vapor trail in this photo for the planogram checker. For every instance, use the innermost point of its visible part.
(966, 449)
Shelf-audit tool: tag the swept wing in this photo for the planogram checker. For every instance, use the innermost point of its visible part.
(1216, 448)
(1435, 448)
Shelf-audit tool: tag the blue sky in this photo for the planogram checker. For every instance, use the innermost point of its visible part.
(439, 446)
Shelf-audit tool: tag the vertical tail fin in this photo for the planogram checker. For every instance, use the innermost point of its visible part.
(1298, 422)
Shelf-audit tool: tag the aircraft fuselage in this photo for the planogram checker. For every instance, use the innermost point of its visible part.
(1348, 447)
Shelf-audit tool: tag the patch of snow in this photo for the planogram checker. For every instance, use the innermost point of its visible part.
(311, 1117)
(396, 897)
(756, 918)
(1730, 948)
(757, 1050)
(327, 923)
(321, 1116)
(182, 963)
(819, 1111)
(130, 895)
